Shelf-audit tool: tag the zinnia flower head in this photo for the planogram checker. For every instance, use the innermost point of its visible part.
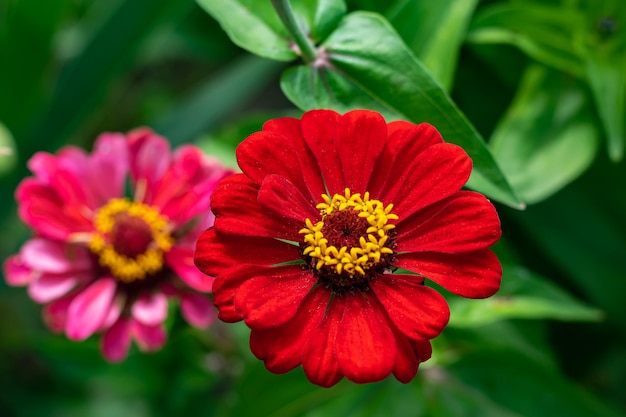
(105, 262)
(323, 244)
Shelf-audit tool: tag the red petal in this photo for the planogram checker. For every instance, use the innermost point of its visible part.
(360, 137)
(238, 212)
(365, 346)
(438, 172)
(282, 348)
(266, 153)
(473, 274)
(407, 362)
(318, 129)
(284, 201)
(465, 222)
(227, 283)
(405, 142)
(320, 362)
(271, 300)
(216, 252)
(418, 311)
(291, 128)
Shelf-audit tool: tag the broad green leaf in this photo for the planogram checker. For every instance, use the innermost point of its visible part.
(548, 121)
(523, 295)
(369, 65)
(7, 150)
(219, 96)
(255, 26)
(525, 387)
(607, 78)
(434, 30)
(546, 33)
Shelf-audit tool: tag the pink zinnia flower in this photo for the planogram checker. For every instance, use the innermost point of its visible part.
(103, 262)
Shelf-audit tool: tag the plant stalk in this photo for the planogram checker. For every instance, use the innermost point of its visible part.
(285, 12)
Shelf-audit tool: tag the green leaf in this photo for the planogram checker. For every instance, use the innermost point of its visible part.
(548, 121)
(434, 30)
(525, 387)
(7, 150)
(222, 93)
(607, 78)
(523, 295)
(546, 33)
(255, 26)
(370, 66)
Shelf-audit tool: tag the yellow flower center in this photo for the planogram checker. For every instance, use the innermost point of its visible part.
(131, 239)
(351, 237)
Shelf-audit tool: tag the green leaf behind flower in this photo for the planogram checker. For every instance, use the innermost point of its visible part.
(368, 65)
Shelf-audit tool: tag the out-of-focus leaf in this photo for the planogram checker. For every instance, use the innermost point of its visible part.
(547, 137)
(434, 30)
(525, 387)
(7, 150)
(544, 32)
(379, 68)
(255, 26)
(222, 93)
(84, 81)
(523, 295)
(607, 78)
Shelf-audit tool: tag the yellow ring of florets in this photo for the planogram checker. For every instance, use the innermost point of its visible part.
(355, 260)
(125, 268)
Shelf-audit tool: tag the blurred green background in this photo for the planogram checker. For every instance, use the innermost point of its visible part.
(543, 81)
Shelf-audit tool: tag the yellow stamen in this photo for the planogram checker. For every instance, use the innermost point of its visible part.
(123, 267)
(354, 260)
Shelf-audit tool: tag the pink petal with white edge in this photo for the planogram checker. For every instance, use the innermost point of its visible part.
(197, 309)
(116, 342)
(115, 312)
(150, 309)
(149, 338)
(49, 287)
(16, 273)
(54, 257)
(180, 259)
(90, 308)
(55, 313)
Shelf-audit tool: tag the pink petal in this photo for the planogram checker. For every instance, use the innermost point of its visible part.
(180, 260)
(16, 273)
(419, 312)
(197, 309)
(150, 308)
(55, 313)
(55, 257)
(117, 306)
(269, 301)
(149, 158)
(360, 137)
(365, 346)
(149, 338)
(90, 308)
(109, 166)
(116, 341)
(49, 287)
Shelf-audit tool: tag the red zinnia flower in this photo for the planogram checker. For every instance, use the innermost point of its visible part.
(102, 262)
(308, 239)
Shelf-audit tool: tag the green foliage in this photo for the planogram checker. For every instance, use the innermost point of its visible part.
(544, 81)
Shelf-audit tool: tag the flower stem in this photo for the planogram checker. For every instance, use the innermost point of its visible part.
(285, 12)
